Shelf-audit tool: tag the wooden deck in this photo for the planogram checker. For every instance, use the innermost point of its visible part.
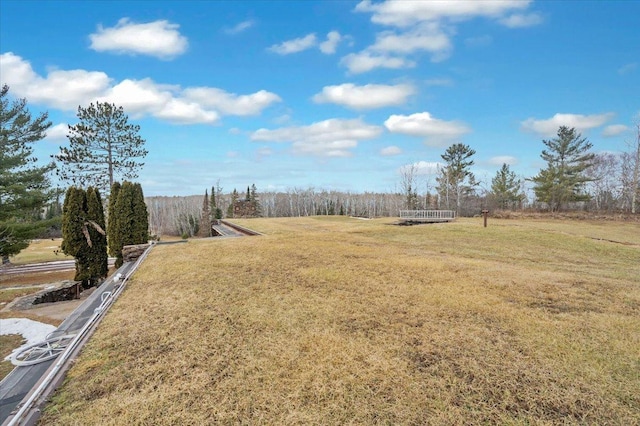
(427, 216)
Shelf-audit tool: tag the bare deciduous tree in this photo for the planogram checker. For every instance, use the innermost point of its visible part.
(634, 159)
(604, 185)
(408, 185)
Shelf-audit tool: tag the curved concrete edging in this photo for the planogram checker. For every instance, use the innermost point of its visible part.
(29, 410)
(239, 228)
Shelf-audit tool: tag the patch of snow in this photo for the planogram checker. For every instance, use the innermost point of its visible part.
(32, 331)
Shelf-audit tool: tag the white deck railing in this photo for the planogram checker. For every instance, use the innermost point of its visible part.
(428, 215)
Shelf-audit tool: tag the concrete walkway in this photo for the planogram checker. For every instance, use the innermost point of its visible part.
(17, 384)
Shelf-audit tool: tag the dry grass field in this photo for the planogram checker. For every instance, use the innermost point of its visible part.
(31, 279)
(335, 320)
(41, 251)
(7, 344)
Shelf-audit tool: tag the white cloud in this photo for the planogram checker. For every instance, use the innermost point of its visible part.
(614, 130)
(145, 97)
(328, 138)
(503, 159)
(240, 27)
(62, 88)
(421, 168)
(138, 97)
(365, 97)
(66, 90)
(427, 37)
(58, 132)
(549, 127)
(59, 89)
(390, 47)
(428, 26)
(159, 38)
(437, 132)
(329, 46)
(282, 119)
(521, 20)
(390, 150)
(181, 112)
(406, 13)
(294, 46)
(365, 61)
(231, 103)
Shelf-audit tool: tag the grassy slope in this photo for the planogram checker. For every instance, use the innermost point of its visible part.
(335, 320)
(41, 251)
(8, 342)
(8, 281)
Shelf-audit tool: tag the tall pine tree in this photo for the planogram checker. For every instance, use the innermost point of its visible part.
(205, 217)
(129, 221)
(24, 187)
(563, 180)
(217, 200)
(83, 234)
(141, 222)
(98, 262)
(456, 180)
(102, 146)
(234, 200)
(215, 211)
(112, 229)
(74, 242)
(123, 221)
(255, 201)
(506, 188)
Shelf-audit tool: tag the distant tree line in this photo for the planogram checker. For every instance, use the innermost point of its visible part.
(573, 179)
(103, 145)
(182, 215)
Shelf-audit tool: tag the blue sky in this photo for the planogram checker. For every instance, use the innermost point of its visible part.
(332, 95)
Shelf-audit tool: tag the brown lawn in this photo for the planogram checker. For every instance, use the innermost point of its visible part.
(332, 320)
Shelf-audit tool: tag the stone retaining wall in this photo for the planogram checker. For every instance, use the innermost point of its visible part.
(69, 291)
(132, 252)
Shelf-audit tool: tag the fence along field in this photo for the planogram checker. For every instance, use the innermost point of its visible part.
(334, 320)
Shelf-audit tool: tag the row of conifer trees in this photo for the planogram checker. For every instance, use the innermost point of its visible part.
(88, 240)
